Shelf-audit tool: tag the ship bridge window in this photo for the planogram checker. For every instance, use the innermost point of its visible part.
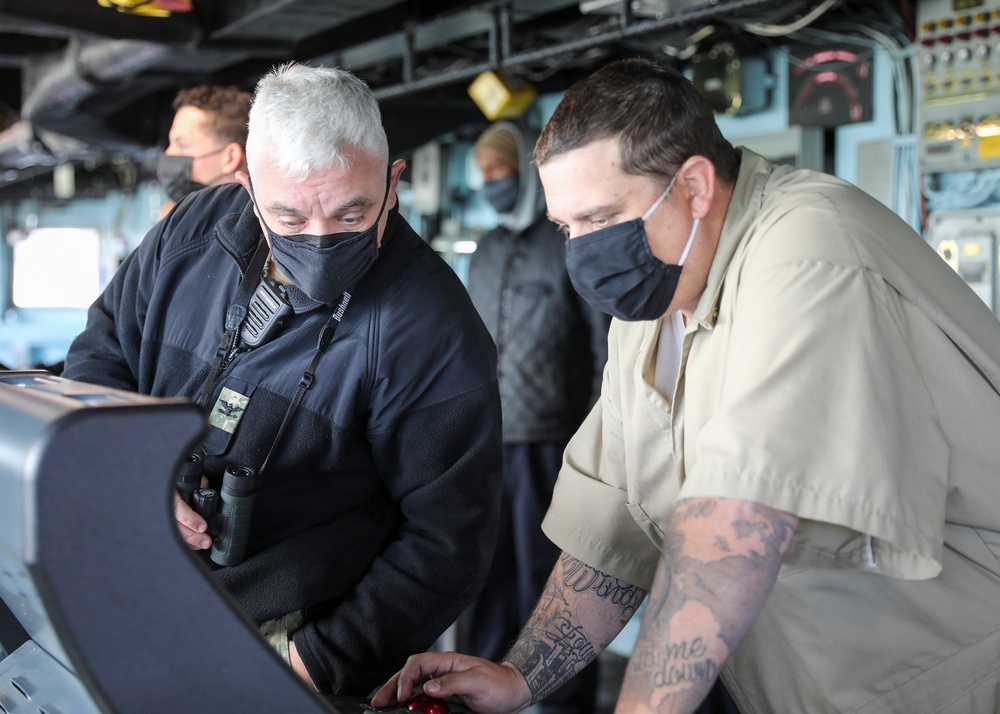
(56, 267)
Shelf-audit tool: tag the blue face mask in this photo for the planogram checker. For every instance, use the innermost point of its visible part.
(615, 271)
(325, 267)
(502, 193)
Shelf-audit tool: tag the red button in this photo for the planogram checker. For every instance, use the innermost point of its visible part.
(424, 704)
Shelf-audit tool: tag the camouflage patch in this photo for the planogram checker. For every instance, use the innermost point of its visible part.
(228, 410)
(279, 632)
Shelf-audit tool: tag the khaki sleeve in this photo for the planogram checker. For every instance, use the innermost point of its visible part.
(589, 517)
(824, 414)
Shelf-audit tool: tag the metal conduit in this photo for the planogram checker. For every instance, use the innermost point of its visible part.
(644, 27)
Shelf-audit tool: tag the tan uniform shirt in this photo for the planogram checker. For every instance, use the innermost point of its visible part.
(836, 368)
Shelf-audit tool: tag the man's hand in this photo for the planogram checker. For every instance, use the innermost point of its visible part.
(483, 686)
(190, 524)
(580, 609)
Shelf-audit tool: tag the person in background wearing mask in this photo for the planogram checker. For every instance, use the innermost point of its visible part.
(795, 452)
(551, 347)
(338, 357)
(207, 139)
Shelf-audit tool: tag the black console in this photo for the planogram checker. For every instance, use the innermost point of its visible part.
(104, 609)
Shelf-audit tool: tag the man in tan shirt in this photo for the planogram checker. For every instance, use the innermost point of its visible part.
(794, 451)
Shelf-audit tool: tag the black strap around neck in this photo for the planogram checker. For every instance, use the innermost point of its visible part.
(325, 338)
(235, 314)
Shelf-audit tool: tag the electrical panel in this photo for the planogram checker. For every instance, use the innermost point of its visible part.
(732, 83)
(968, 241)
(829, 86)
(958, 123)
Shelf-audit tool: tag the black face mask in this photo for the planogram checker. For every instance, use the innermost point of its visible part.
(325, 267)
(615, 271)
(174, 174)
(502, 193)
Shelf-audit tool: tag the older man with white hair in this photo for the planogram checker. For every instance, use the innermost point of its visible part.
(339, 358)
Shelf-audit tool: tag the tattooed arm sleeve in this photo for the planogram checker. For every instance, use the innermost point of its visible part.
(714, 576)
(580, 612)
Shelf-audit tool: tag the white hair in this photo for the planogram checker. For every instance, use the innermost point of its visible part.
(302, 118)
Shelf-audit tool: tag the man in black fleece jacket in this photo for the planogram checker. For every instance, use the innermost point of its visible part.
(368, 404)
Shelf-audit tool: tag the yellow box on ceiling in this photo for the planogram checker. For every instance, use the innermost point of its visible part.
(148, 8)
(500, 95)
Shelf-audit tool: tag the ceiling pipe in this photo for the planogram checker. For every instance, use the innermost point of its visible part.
(687, 17)
(625, 13)
(57, 82)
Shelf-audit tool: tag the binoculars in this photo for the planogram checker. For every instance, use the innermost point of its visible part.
(227, 511)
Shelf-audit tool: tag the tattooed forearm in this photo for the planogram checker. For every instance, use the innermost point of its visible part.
(549, 653)
(580, 577)
(678, 663)
(581, 610)
(718, 568)
(693, 508)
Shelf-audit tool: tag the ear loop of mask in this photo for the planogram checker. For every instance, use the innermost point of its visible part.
(205, 156)
(211, 153)
(694, 226)
(694, 229)
(656, 204)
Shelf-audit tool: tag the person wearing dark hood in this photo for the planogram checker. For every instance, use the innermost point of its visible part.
(207, 141)
(339, 358)
(551, 348)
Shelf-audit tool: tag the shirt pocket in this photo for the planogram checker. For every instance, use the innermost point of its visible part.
(653, 481)
(227, 414)
(648, 526)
